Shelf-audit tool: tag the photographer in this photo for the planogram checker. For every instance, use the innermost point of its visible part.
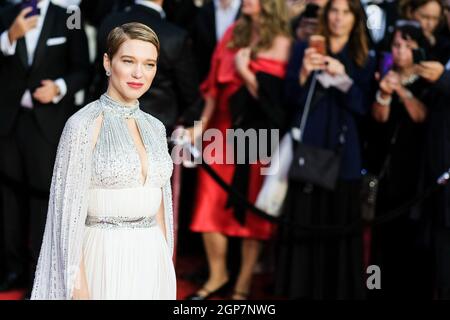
(400, 111)
(327, 267)
(430, 14)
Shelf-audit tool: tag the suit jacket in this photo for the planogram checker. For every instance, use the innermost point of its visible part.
(204, 37)
(95, 11)
(390, 8)
(180, 12)
(174, 95)
(68, 60)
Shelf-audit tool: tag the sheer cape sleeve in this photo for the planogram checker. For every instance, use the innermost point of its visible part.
(60, 254)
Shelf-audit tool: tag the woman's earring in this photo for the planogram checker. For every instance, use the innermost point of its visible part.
(108, 73)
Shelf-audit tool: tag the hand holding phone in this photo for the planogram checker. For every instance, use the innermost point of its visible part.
(386, 64)
(390, 82)
(419, 55)
(430, 70)
(22, 25)
(31, 4)
(314, 57)
(318, 42)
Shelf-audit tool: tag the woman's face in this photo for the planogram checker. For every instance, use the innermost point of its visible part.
(402, 51)
(340, 18)
(251, 7)
(132, 68)
(428, 16)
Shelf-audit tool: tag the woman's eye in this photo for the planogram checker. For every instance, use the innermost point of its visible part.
(150, 65)
(127, 61)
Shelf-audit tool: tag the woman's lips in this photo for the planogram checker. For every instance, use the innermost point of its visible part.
(135, 85)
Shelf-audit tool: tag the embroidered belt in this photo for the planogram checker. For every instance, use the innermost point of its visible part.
(106, 222)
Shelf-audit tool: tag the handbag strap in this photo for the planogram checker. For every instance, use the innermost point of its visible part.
(392, 142)
(307, 109)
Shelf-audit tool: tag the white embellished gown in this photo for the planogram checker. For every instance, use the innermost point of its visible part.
(126, 255)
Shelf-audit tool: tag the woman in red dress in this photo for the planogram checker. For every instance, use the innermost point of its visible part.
(251, 57)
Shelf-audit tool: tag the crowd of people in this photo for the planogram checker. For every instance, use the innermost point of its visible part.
(252, 64)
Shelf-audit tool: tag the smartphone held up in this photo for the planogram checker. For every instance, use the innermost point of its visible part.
(318, 42)
(33, 5)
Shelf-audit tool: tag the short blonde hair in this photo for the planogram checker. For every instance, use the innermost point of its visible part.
(129, 31)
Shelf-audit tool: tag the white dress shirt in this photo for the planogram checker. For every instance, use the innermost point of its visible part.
(225, 16)
(31, 40)
(376, 21)
(66, 3)
(152, 5)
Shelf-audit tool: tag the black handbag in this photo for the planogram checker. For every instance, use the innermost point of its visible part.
(314, 165)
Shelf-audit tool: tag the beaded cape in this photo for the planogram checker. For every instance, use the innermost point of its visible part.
(75, 173)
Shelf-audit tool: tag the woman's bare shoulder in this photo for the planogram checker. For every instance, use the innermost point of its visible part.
(280, 50)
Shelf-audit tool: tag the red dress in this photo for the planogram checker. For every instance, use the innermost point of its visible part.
(210, 213)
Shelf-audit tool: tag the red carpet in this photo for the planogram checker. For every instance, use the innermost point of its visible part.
(185, 265)
(12, 295)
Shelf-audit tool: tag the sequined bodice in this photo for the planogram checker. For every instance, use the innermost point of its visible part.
(115, 161)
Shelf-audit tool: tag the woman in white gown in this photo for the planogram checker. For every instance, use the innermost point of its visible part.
(109, 230)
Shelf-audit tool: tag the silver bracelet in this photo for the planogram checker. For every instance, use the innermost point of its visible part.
(383, 101)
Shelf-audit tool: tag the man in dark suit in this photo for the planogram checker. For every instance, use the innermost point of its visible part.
(3, 4)
(174, 95)
(180, 12)
(381, 16)
(95, 11)
(210, 23)
(43, 63)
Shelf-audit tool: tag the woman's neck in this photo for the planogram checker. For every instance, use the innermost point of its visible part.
(431, 39)
(338, 43)
(406, 72)
(115, 95)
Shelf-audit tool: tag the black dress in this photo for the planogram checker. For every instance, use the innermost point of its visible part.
(323, 266)
(320, 266)
(398, 247)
